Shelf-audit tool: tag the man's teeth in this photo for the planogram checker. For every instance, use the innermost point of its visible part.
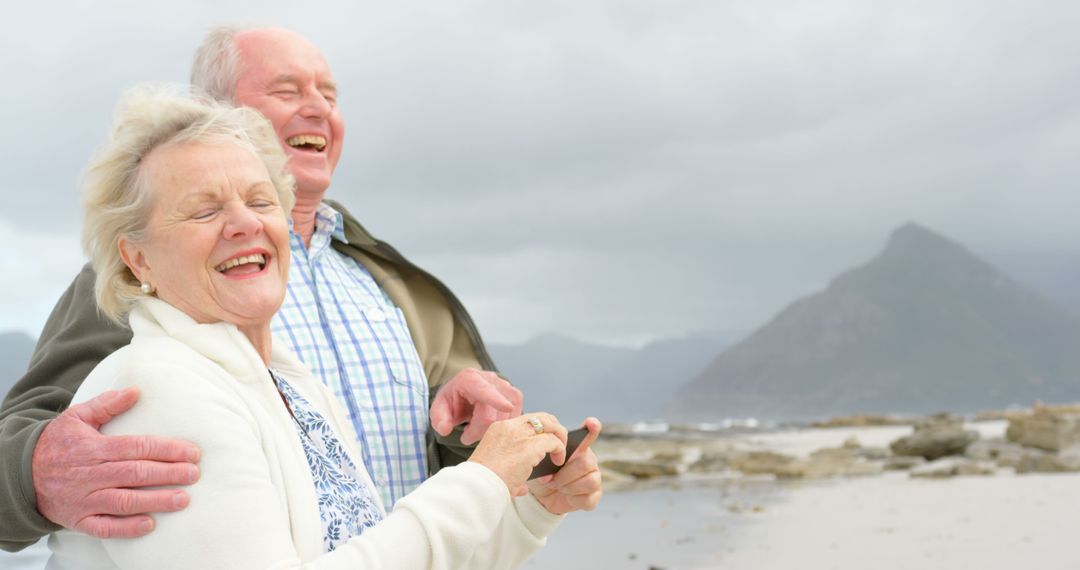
(255, 258)
(314, 140)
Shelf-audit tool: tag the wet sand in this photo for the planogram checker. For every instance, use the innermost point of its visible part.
(666, 528)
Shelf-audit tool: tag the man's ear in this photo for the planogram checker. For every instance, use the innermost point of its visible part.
(134, 258)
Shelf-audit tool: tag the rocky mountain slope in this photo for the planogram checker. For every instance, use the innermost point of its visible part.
(924, 326)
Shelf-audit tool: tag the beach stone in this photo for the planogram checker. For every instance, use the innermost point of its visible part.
(805, 470)
(967, 467)
(1037, 461)
(1052, 428)
(874, 453)
(952, 467)
(668, 456)
(864, 469)
(614, 478)
(903, 462)
(935, 437)
(824, 467)
(759, 462)
(863, 420)
(1006, 454)
(830, 462)
(937, 422)
(683, 454)
(646, 469)
(835, 453)
(711, 462)
(990, 416)
(852, 449)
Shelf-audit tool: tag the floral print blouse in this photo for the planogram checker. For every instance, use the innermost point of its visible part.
(346, 504)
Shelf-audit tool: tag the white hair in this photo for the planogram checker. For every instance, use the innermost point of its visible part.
(217, 63)
(117, 197)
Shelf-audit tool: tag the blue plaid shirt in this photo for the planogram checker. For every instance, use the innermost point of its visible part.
(348, 332)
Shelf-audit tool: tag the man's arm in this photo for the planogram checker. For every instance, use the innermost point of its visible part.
(74, 340)
(72, 457)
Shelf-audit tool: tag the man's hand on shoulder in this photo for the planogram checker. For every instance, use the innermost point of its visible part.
(477, 397)
(89, 482)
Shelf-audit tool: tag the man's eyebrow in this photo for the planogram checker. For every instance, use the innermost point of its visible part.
(328, 85)
(284, 78)
(324, 85)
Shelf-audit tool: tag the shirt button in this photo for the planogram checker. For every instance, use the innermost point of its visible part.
(374, 314)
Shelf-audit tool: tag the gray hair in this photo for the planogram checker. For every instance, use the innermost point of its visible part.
(118, 199)
(217, 62)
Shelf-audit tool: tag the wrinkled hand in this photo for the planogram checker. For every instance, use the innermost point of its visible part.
(511, 448)
(83, 479)
(477, 397)
(577, 486)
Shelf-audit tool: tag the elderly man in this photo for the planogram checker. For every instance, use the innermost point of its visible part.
(383, 334)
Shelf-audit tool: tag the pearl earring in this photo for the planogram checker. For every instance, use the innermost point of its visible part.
(146, 288)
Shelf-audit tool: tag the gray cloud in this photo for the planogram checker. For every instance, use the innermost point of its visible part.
(622, 170)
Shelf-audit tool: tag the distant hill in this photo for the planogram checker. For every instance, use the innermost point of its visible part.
(575, 379)
(553, 370)
(925, 326)
(15, 350)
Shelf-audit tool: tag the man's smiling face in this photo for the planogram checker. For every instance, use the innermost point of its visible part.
(287, 79)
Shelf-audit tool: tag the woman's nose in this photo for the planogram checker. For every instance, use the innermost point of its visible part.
(240, 221)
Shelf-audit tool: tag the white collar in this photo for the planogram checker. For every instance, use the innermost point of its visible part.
(221, 342)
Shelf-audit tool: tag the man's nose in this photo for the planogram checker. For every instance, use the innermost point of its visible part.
(241, 221)
(316, 105)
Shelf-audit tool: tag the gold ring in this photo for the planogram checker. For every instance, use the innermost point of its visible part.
(537, 426)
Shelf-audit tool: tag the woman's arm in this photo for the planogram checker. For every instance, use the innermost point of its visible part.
(440, 507)
(238, 517)
(463, 517)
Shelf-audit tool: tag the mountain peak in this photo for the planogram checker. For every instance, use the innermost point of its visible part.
(915, 252)
(916, 237)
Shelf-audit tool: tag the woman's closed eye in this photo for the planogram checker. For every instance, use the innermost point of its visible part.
(204, 214)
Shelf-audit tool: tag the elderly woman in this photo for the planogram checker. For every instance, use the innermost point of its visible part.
(186, 227)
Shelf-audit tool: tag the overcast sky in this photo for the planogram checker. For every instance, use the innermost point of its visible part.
(615, 170)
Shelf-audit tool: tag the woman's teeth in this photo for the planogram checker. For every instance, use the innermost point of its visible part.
(237, 261)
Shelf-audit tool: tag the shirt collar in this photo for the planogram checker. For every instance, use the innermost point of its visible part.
(330, 221)
(329, 226)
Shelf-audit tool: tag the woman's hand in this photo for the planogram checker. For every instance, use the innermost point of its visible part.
(511, 448)
(577, 485)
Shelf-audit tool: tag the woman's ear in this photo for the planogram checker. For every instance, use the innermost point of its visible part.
(134, 258)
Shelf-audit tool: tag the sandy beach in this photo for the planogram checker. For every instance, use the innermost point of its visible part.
(887, 522)
(894, 523)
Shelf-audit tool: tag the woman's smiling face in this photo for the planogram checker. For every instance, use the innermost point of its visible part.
(217, 244)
